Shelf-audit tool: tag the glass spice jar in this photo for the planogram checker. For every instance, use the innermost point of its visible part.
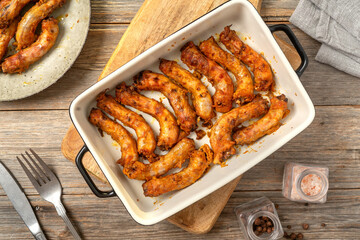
(305, 183)
(256, 215)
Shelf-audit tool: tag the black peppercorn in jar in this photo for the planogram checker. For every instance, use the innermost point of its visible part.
(259, 220)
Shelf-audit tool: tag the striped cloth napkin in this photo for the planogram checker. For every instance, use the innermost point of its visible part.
(336, 24)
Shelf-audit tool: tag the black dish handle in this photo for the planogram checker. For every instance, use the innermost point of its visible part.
(88, 180)
(287, 30)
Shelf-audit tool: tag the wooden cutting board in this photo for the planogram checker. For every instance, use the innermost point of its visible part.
(155, 20)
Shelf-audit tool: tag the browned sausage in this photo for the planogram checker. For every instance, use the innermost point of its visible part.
(169, 130)
(194, 59)
(9, 10)
(146, 142)
(263, 76)
(199, 162)
(200, 95)
(266, 125)
(25, 34)
(220, 135)
(245, 88)
(186, 116)
(6, 34)
(24, 58)
(127, 143)
(175, 158)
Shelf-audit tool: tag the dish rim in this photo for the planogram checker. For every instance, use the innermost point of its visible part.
(110, 77)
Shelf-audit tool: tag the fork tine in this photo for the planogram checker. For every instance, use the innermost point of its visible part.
(40, 179)
(28, 173)
(43, 164)
(40, 174)
(42, 170)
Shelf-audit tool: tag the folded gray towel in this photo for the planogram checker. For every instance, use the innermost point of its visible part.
(345, 12)
(336, 24)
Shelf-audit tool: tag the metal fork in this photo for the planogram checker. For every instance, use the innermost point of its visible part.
(47, 185)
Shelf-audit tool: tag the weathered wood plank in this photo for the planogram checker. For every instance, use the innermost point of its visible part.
(123, 11)
(108, 219)
(325, 85)
(328, 141)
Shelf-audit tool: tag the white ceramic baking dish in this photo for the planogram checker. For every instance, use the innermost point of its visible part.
(244, 19)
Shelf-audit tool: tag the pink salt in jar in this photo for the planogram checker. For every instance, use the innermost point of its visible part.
(305, 183)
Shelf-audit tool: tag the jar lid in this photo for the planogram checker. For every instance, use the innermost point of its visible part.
(312, 185)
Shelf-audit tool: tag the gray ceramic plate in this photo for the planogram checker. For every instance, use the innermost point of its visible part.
(74, 21)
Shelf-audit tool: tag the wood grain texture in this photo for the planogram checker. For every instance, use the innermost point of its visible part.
(108, 219)
(123, 11)
(200, 217)
(332, 139)
(325, 85)
(326, 141)
(154, 21)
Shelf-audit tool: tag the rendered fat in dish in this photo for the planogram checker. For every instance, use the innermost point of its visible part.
(200, 95)
(6, 34)
(245, 88)
(146, 142)
(220, 135)
(174, 158)
(10, 10)
(169, 130)
(21, 61)
(266, 125)
(219, 78)
(25, 34)
(199, 162)
(186, 116)
(117, 132)
(263, 76)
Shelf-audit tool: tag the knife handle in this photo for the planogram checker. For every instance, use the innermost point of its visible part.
(40, 236)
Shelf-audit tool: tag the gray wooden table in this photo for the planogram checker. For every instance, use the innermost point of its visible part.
(333, 139)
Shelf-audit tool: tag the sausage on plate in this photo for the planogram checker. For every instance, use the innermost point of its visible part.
(200, 95)
(146, 142)
(25, 34)
(263, 76)
(169, 130)
(9, 10)
(220, 135)
(186, 116)
(174, 158)
(219, 78)
(6, 34)
(245, 87)
(24, 58)
(266, 125)
(118, 133)
(199, 162)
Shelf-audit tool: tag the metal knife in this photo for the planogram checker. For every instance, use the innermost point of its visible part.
(20, 202)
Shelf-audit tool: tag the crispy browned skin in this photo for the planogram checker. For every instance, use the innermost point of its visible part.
(175, 158)
(263, 76)
(6, 34)
(266, 125)
(25, 34)
(24, 58)
(219, 78)
(146, 142)
(9, 10)
(127, 143)
(199, 93)
(169, 130)
(220, 135)
(245, 88)
(199, 162)
(186, 116)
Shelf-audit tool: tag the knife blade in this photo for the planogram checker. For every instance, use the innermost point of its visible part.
(20, 202)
